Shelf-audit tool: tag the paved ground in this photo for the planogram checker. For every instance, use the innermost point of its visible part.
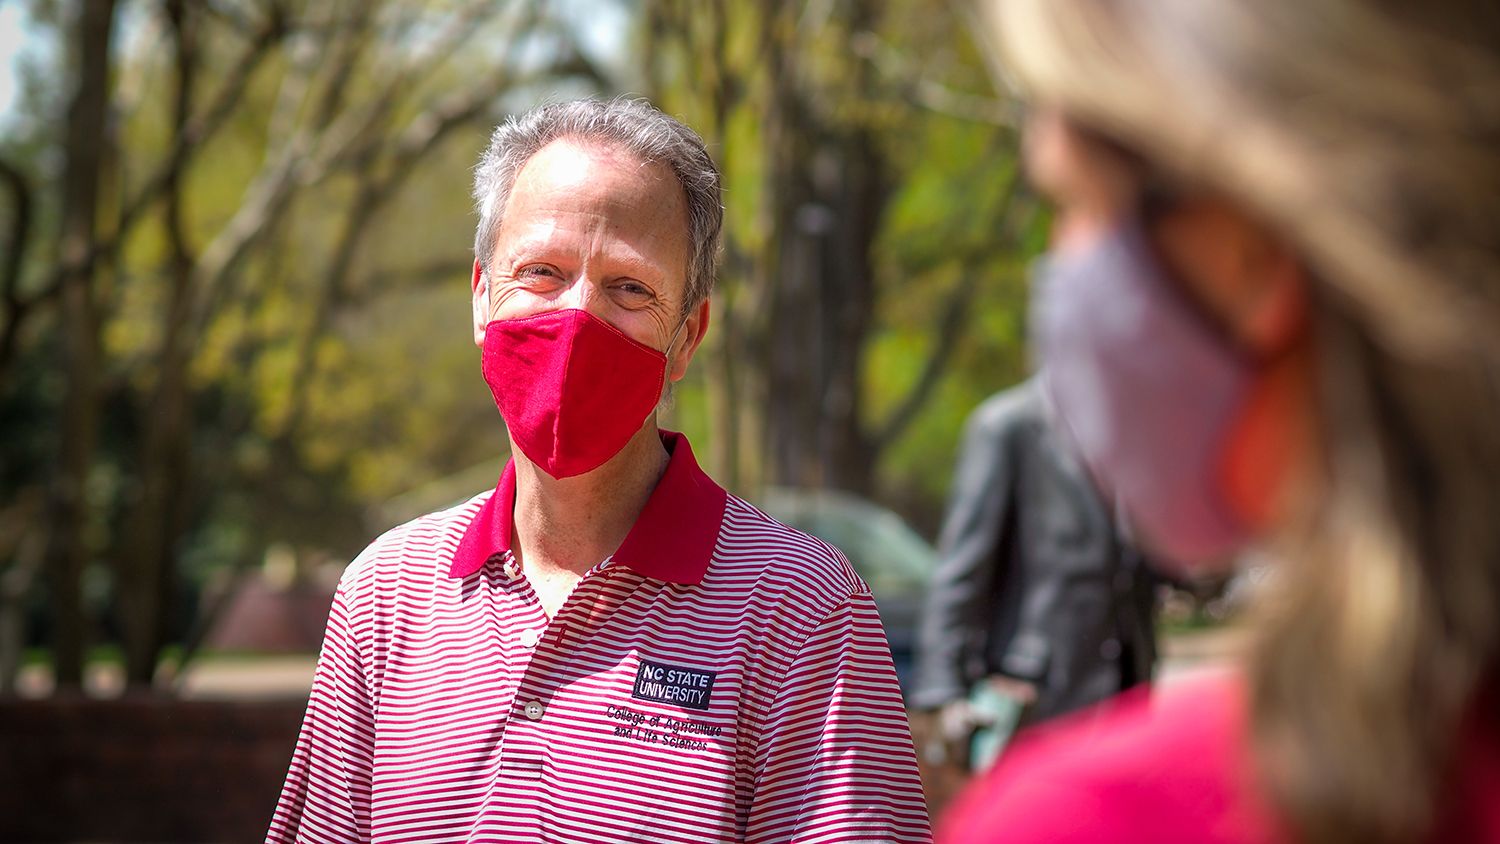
(1187, 653)
(238, 677)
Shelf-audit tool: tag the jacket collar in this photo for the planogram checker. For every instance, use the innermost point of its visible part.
(673, 539)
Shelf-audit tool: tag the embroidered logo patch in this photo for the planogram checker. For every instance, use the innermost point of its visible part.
(688, 687)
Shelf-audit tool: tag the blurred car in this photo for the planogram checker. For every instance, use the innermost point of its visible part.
(887, 553)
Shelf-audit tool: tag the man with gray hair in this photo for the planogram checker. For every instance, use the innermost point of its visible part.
(607, 646)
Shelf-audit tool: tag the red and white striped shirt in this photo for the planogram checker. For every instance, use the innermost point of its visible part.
(721, 677)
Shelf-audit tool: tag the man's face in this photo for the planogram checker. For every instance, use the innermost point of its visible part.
(593, 227)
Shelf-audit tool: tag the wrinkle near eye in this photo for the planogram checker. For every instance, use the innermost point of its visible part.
(503, 290)
(669, 319)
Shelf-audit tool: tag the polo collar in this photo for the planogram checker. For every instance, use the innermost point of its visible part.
(672, 539)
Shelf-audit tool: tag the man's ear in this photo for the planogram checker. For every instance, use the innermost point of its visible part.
(480, 293)
(693, 331)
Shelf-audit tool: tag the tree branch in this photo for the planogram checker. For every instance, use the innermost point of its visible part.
(16, 308)
(949, 328)
(928, 93)
(185, 35)
(442, 271)
(188, 143)
(418, 139)
(303, 163)
(337, 145)
(198, 129)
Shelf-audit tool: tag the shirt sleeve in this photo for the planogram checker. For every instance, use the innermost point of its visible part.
(969, 561)
(326, 797)
(835, 760)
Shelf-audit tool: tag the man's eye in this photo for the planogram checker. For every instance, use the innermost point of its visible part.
(633, 288)
(538, 270)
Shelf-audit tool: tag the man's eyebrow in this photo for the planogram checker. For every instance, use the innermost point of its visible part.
(631, 261)
(528, 246)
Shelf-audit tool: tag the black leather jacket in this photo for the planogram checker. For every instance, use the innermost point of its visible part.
(1033, 580)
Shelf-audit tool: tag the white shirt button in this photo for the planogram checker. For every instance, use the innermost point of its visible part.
(534, 710)
(529, 638)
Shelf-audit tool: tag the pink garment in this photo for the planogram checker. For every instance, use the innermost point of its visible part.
(721, 677)
(1175, 768)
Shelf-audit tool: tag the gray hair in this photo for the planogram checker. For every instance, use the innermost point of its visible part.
(633, 125)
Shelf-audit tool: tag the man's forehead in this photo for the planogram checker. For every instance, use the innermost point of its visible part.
(569, 180)
(577, 165)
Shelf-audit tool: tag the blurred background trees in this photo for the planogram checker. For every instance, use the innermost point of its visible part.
(233, 292)
(873, 287)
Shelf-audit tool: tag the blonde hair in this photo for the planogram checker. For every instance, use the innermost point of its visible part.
(1369, 137)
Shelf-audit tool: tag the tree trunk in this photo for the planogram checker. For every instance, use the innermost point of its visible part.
(858, 197)
(83, 151)
(829, 188)
(149, 568)
(824, 306)
(25, 548)
(16, 308)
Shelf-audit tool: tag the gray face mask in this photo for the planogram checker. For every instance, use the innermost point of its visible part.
(1145, 389)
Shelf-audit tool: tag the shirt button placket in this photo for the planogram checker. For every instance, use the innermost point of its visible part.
(533, 710)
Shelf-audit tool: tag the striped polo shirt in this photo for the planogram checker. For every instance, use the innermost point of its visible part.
(720, 677)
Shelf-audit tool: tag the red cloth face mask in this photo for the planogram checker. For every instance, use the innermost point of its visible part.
(572, 388)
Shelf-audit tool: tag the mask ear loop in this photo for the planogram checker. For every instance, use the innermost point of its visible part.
(666, 394)
(484, 287)
(675, 334)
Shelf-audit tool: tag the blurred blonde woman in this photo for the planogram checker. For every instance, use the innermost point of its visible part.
(1271, 316)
